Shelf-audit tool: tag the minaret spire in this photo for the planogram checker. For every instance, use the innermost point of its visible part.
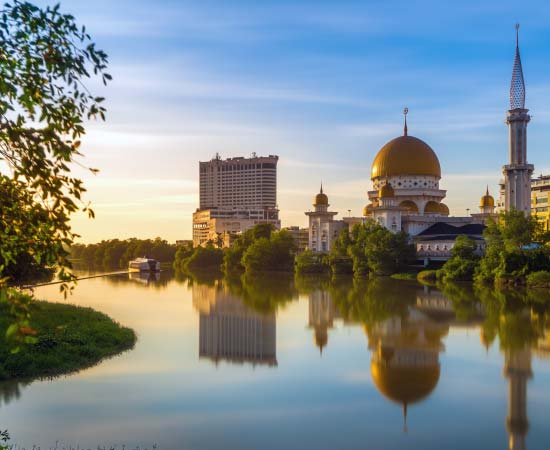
(517, 86)
(405, 112)
(517, 173)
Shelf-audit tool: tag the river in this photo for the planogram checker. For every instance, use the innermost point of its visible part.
(278, 362)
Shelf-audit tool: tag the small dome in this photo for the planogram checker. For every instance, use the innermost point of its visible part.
(386, 191)
(487, 200)
(444, 209)
(432, 208)
(405, 155)
(367, 210)
(320, 199)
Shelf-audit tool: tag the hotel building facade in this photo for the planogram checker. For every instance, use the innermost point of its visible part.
(235, 194)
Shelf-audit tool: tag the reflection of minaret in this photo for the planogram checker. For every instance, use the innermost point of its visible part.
(321, 315)
(517, 369)
(230, 331)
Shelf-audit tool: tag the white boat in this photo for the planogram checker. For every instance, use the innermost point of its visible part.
(144, 265)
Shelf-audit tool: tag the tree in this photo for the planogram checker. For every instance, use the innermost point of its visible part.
(45, 58)
(273, 253)
(509, 254)
(463, 262)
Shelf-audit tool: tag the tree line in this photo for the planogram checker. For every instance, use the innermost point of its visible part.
(116, 253)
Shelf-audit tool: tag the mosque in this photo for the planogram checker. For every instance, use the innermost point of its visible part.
(406, 195)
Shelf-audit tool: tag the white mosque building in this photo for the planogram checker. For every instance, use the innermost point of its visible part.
(406, 195)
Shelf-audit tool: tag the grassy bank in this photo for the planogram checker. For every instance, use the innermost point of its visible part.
(70, 338)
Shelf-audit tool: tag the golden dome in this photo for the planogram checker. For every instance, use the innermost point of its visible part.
(487, 200)
(444, 209)
(404, 384)
(405, 155)
(386, 191)
(409, 206)
(320, 198)
(432, 208)
(367, 210)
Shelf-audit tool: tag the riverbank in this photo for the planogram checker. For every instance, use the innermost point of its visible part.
(69, 339)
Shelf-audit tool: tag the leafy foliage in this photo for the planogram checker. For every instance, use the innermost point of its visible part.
(372, 249)
(45, 59)
(463, 261)
(516, 246)
(275, 253)
(311, 262)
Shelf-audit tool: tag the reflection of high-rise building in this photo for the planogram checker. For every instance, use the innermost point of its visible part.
(321, 316)
(405, 359)
(230, 331)
(517, 368)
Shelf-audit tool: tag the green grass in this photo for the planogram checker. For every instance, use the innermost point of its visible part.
(70, 338)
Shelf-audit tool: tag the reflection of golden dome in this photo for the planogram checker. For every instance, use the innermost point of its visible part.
(386, 191)
(487, 200)
(409, 206)
(432, 208)
(404, 384)
(444, 209)
(405, 155)
(367, 210)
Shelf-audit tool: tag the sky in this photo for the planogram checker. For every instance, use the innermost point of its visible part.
(322, 84)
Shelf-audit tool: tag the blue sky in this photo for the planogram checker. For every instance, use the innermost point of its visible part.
(322, 84)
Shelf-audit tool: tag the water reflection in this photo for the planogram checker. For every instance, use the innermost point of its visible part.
(322, 313)
(412, 342)
(405, 357)
(145, 278)
(10, 390)
(231, 331)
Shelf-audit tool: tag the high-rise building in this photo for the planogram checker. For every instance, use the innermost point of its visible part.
(235, 194)
(517, 173)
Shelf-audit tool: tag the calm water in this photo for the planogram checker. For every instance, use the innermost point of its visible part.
(279, 363)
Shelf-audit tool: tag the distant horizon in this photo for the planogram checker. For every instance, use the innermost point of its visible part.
(322, 86)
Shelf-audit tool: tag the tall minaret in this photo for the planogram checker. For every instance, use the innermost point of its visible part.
(517, 174)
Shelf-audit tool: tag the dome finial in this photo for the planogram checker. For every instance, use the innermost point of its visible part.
(321, 187)
(405, 112)
(405, 417)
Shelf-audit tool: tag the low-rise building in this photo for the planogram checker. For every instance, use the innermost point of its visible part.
(323, 229)
(540, 199)
(300, 236)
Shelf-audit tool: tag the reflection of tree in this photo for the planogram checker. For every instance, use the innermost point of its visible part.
(507, 314)
(264, 293)
(465, 303)
(371, 300)
(10, 390)
(308, 283)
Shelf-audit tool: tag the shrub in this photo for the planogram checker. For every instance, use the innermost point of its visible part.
(540, 279)
(427, 276)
